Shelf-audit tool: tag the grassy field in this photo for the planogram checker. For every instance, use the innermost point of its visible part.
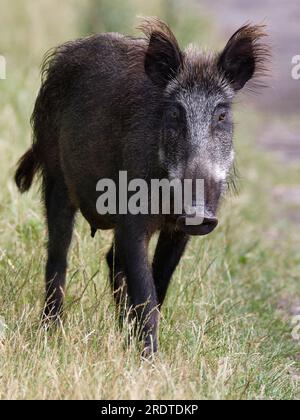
(223, 332)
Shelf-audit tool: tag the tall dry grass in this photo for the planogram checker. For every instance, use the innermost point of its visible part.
(221, 334)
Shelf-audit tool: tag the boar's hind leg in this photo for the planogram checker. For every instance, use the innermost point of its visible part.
(118, 281)
(169, 250)
(60, 218)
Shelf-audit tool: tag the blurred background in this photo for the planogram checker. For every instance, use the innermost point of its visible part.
(252, 291)
(29, 29)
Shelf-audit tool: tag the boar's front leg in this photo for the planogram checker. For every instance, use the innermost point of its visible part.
(169, 250)
(118, 281)
(133, 240)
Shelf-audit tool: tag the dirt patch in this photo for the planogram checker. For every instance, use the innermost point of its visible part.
(282, 141)
(295, 374)
(287, 199)
(289, 305)
(288, 195)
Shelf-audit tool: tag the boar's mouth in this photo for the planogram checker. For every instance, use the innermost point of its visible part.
(204, 227)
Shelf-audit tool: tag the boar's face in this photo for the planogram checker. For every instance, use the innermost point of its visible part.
(196, 123)
(196, 136)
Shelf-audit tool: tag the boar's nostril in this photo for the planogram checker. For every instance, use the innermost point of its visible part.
(211, 222)
(207, 226)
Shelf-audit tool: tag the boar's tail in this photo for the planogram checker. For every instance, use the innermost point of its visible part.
(60, 68)
(44, 120)
(28, 166)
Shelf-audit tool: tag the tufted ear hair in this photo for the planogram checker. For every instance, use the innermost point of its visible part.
(163, 57)
(245, 56)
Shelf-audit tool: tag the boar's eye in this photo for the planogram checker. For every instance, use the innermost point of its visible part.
(173, 114)
(222, 116)
(174, 118)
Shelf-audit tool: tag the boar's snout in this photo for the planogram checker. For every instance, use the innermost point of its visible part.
(193, 225)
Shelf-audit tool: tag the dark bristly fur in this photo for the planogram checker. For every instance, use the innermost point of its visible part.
(248, 41)
(28, 166)
(111, 103)
(166, 62)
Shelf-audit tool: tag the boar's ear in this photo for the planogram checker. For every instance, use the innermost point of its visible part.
(244, 56)
(163, 56)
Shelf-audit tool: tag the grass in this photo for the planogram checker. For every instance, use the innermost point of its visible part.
(222, 335)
